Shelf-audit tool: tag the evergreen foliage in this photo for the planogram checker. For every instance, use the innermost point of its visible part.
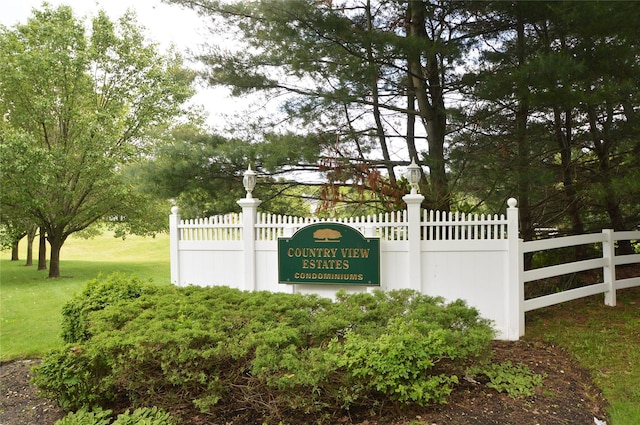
(270, 352)
(96, 295)
(532, 100)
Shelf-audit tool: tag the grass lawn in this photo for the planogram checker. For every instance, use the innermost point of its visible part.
(30, 303)
(604, 340)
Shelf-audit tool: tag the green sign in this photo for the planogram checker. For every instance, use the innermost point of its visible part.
(329, 253)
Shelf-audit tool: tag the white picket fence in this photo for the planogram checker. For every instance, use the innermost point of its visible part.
(475, 258)
(436, 226)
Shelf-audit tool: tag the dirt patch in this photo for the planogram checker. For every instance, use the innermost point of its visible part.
(568, 396)
(19, 400)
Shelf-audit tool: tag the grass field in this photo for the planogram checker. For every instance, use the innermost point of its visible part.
(30, 303)
(604, 340)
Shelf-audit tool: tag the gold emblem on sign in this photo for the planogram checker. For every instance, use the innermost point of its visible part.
(327, 235)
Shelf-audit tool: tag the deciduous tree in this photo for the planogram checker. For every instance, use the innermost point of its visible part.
(77, 106)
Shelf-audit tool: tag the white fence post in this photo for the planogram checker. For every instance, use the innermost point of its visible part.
(415, 265)
(249, 215)
(514, 285)
(174, 238)
(609, 269)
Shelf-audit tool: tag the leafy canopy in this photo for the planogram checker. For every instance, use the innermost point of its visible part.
(78, 105)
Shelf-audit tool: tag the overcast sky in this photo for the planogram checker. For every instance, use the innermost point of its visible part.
(165, 24)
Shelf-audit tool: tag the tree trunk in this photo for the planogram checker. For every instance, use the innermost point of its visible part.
(42, 250)
(411, 137)
(429, 94)
(376, 103)
(56, 240)
(612, 204)
(565, 142)
(31, 235)
(603, 147)
(568, 172)
(14, 251)
(524, 185)
(523, 161)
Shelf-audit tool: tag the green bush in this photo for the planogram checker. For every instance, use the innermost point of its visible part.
(267, 351)
(397, 363)
(75, 376)
(96, 295)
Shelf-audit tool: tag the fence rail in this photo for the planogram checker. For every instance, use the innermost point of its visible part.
(607, 263)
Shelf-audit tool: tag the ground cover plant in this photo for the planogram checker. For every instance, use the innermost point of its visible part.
(142, 416)
(273, 353)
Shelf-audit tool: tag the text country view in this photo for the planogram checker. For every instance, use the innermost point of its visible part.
(328, 252)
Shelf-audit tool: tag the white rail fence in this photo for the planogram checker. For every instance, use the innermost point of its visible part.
(476, 258)
(608, 262)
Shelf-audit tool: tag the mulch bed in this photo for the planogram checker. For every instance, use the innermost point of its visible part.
(567, 396)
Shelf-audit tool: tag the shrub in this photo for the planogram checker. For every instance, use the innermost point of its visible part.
(415, 356)
(75, 376)
(96, 295)
(398, 362)
(270, 352)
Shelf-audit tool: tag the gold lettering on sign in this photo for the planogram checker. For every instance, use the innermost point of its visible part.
(325, 264)
(328, 252)
(354, 252)
(312, 252)
(328, 276)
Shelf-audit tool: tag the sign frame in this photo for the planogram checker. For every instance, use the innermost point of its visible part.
(329, 253)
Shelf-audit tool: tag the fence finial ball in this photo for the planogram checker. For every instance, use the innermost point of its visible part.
(175, 209)
(512, 202)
